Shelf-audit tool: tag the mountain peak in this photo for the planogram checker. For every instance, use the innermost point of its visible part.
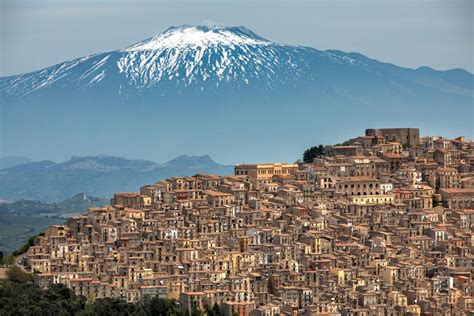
(104, 163)
(185, 160)
(200, 36)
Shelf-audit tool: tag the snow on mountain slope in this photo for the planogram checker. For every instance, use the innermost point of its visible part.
(199, 56)
(196, 54)
(200, 36)
(81, 72)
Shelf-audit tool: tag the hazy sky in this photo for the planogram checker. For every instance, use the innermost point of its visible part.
(39, 33)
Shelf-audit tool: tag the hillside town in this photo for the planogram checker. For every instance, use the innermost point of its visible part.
(380, 225)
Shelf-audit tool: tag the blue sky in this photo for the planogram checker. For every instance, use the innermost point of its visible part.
(439, 34)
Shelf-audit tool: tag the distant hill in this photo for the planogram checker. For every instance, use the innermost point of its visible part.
(10, 161)
(24, 218)
(100, 176)
(76, 204)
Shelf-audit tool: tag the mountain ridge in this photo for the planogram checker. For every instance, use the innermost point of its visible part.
(10, 161)
(159, 58)
(169, 96)
(100, 176)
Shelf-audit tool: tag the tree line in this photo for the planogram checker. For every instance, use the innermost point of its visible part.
(19, 296)
(318, 151)
(9, 260)
(313, 152)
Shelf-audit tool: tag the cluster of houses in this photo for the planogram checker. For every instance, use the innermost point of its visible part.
(382, 225)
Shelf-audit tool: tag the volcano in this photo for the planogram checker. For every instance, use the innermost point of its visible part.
(224, 91)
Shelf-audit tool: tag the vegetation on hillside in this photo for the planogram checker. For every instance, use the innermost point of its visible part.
(313, 152)
(76, 204)
(23, 249)
(318, 151)
(15, 230)
(25, 218)
(347, 142)
(19, 296)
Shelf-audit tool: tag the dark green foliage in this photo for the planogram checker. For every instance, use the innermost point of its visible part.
(8, 260)
(19, 298)
(195, 310)
(29, 299)
(158, 306)
(17, 275)
(214, 310)
(115, 306)
(1, 257)
(25, 247)
(314, 152)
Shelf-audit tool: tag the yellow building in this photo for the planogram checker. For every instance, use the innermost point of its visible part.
(413, 309)
(390, 275)
(40, 265)
(264, 171)
(340, 274)
(372, 199)
(397, 298)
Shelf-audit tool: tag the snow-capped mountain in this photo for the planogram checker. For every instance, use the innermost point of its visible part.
(200, 57)
(209, 88)
(193, 55)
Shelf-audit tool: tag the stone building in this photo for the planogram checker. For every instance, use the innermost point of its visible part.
(363, 232)
(265, 171)
(406, 136)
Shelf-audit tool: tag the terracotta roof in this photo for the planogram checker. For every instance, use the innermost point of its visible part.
(128, 194)
(459, 190)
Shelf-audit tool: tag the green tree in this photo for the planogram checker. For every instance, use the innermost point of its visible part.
(195, 311)
(18, 298)
(17, 275)
(159, 306)
(30, 299)
(313, 152)
(70, 304)
(116, 306)
(25, 247)
(9, 260)
(213, 310)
